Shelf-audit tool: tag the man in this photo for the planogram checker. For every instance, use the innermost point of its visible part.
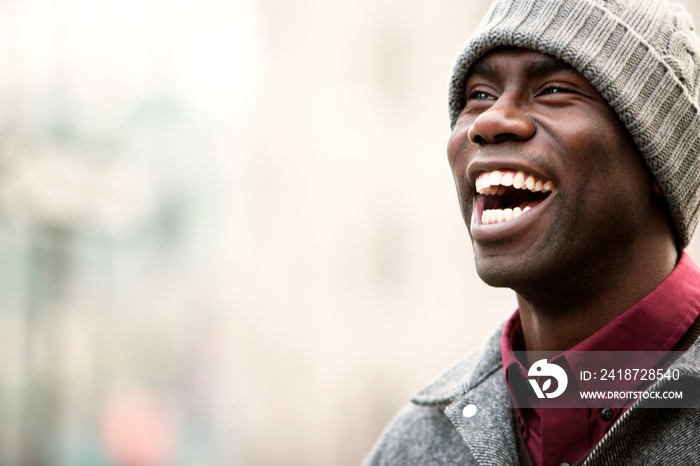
(576, 155)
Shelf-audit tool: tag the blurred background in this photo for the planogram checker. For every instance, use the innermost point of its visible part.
(228, 231)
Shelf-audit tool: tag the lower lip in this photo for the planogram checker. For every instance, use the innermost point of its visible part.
(503, 230)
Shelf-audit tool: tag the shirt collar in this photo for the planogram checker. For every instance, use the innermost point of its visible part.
(659, 320)
(654, 324)
(468, 373)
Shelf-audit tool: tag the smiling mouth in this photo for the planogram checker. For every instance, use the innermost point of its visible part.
(504, 195)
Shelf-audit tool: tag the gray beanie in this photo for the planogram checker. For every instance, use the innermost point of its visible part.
(644, 59)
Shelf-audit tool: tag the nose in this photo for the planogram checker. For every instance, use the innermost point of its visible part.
(505, 120)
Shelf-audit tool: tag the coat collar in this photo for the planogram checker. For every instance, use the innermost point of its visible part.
(479, 380)
(477, 402)
(688, 363)
(471, 371)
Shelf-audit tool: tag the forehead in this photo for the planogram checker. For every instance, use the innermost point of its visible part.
(514, 59)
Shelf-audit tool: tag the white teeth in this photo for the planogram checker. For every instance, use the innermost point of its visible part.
(507, 179)
(482, 181)
(530, 182)
(499, 182)
(495, 182)
(492, 216)
(519, 180)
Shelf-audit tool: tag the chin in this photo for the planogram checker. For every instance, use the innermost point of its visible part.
(522, 276)
(499, 274)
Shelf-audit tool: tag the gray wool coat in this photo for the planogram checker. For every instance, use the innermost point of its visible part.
(432, 430)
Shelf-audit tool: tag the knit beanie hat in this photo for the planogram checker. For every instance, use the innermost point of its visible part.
(641, 55)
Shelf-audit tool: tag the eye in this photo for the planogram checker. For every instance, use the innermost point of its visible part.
(553, 89)
(479, 95)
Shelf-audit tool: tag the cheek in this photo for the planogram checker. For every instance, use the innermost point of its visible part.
(457, 146)
(452, 149)
(626, 168)
(635, 191)
(618, 183)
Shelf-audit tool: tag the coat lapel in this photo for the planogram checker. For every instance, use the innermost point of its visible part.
(483, 417)
(487, 426)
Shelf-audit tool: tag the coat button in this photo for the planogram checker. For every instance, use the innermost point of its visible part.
(607, 414)
(469, 410)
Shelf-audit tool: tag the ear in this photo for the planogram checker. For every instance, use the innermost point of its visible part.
(656, 189)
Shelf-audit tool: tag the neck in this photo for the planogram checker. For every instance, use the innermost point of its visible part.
(557, 321)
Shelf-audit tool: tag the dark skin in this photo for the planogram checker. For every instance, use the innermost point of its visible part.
(601, 240)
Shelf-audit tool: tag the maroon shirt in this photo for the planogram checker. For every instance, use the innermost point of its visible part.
(656, 323)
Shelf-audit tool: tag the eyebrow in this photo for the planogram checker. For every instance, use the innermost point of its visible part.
(543, 67)
(534, 69)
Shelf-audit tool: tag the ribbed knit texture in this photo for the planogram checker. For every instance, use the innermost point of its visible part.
(641, 55)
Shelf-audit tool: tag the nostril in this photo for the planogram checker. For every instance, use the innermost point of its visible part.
(505, 137)
(474, 135)
(477, 138)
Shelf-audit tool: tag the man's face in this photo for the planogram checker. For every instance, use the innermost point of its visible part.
(549, 181)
